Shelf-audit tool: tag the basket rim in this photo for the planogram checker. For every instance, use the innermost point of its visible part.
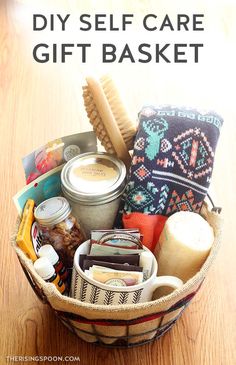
(50, 291)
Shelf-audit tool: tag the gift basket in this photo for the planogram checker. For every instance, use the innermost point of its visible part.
(149, 206)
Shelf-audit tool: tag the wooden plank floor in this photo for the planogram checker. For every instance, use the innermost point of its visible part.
(40, 102)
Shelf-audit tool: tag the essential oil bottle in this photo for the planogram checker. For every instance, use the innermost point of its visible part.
(49, 252)
(47, 272)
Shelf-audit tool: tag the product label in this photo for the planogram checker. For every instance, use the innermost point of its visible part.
(71, 151)
(36, 237)
(115, 282)
(95, 172)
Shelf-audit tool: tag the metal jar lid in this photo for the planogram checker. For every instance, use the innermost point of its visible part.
(93, 178)
(52, 211)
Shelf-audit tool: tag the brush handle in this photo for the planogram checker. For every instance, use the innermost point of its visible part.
(109, 121)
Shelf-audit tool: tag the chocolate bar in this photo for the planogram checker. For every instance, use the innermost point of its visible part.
(132, 259)
(123, 267)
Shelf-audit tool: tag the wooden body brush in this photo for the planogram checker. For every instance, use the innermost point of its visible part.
(109, 118)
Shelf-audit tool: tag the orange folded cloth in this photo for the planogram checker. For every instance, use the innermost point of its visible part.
(150, 226)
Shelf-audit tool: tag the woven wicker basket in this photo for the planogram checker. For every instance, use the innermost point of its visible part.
(122, 325)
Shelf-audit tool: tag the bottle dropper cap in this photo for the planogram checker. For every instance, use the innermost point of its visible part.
(49, 252)
(44, 268)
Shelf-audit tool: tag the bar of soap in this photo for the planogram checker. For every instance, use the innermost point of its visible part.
(184, 245)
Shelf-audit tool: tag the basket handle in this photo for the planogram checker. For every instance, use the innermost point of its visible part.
(38, 291)
(214, 208)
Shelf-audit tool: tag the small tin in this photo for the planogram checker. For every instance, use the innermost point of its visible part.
(93, 184)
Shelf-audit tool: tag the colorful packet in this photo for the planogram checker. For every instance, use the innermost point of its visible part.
(28, 237)
(122, 238)
(122, 241)
(101, 250)
(44, 187)
(57, 152)
(115, 277)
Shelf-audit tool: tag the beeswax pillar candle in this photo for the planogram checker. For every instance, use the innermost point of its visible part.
(184, 245)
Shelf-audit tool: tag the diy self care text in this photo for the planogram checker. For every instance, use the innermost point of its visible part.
(127, 51)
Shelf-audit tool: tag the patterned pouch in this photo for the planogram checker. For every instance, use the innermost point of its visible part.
(173, 160)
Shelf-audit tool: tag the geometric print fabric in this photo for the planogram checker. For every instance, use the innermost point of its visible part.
(172, 161)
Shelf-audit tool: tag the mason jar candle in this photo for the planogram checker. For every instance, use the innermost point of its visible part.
(93, 184)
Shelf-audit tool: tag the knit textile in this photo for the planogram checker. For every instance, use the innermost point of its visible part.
(173, 160)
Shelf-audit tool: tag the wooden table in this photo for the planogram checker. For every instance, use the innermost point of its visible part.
(40, 102)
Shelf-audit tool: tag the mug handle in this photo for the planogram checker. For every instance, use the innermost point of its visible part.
(171, 281)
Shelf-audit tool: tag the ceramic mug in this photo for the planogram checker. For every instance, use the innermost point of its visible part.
(89, 290)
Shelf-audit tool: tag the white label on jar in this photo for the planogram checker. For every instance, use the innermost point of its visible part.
(95, 172)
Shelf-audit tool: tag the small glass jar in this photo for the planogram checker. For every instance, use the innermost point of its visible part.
(59, 228)
(93, 184)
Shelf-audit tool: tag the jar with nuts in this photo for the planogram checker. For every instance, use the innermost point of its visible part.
(59, 228)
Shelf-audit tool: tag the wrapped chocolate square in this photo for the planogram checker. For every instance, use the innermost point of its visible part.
(173, 160)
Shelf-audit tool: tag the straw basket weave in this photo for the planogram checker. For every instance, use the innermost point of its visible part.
(122, 325)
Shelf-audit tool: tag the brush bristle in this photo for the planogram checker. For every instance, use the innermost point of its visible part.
(125, 124)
